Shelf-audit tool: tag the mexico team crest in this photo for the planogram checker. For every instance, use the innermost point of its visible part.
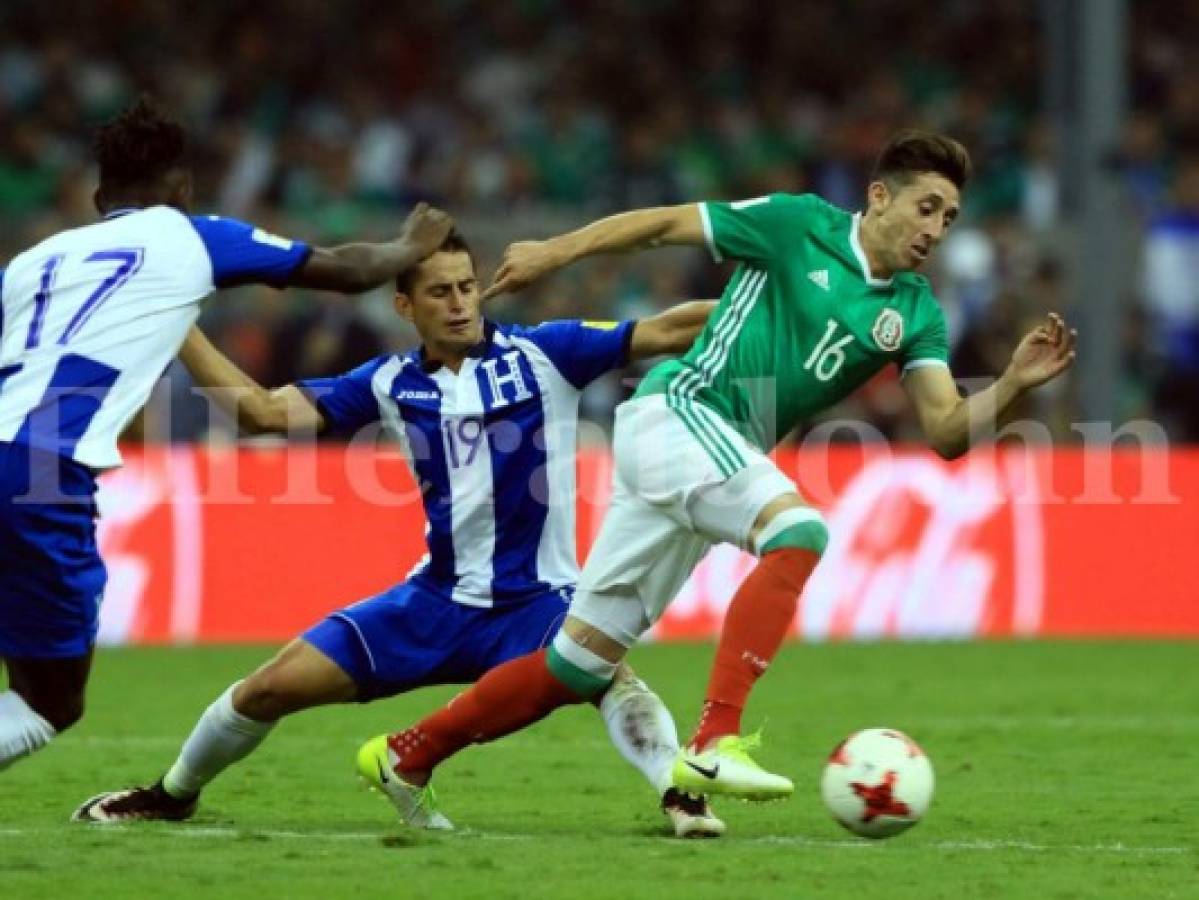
(888, 330)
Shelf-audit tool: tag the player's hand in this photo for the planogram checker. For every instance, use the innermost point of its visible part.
(1044, 353)
(426, 229)
(524, 262)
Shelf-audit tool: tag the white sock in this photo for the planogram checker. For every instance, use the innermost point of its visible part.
(642, 729)
(220, 738)
(22, 731)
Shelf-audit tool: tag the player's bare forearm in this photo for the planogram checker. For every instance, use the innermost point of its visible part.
(953, 425)
(354, 268)
(255, 408)
(637, 230)
(526, 261)
(974, 419)
(358, 267)
(671, 331)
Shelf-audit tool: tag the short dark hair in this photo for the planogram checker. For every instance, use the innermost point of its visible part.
(911, 152)
(140, 145)
(454, 243)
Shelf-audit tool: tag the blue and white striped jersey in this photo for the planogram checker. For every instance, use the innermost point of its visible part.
(491, 447)
(90, 318)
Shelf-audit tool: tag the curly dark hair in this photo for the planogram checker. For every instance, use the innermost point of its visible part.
(911, 152)
(141, 144)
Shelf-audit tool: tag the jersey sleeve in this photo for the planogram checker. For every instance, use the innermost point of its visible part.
(583, 351)
(347, 402)
(243, 254)
(930, 345)
(755, 230)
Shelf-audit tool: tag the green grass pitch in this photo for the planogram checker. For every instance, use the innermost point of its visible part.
(1064, 770)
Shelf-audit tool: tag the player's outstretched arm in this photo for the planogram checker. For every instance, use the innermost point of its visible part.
(354, 268)
(952, 424)
(256, 409)
(671, 331)
(526, 261)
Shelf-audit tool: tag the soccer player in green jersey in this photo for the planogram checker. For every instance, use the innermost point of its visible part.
(822, 300)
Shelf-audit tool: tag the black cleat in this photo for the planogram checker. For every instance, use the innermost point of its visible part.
(139, 804)
(690, 815)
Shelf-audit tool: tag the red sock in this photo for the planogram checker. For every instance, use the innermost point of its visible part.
(506, 699)
(754, 627)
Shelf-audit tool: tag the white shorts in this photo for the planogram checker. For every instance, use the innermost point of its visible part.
(672, 499)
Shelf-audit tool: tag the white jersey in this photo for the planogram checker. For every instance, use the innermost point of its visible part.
(90, 318)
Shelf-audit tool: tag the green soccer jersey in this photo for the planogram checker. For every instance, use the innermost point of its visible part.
(802, 323)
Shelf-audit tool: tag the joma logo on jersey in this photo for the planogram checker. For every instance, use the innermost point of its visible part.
(888, 330)
(416, 395)
(511, 375)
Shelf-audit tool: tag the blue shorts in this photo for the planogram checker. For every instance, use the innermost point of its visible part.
(410, 637)
(51, 575)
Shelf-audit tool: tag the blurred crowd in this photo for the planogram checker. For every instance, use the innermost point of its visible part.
(327, 121)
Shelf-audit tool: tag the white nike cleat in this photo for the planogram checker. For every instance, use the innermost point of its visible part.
(417, 806)
(727, 768)
(691, 817)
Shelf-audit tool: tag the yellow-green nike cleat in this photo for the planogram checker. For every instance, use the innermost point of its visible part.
(417, 806)
(726, 768)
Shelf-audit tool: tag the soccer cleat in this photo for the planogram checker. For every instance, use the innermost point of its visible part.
(726, 768)
(691, 817)
(139, 804)
(417, 806)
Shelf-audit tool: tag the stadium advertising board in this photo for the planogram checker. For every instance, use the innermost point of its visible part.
(210, 544)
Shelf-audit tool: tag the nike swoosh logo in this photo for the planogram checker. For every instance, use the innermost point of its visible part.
(382, 771)
(707, 773)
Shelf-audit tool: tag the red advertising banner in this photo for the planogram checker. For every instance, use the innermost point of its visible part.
(211, 544)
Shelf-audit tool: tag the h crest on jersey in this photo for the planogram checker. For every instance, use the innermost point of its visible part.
(496, 380)
(888, 330)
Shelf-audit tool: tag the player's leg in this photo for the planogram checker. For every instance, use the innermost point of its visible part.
(689, 464)
(640, 727)
(638, 722)
(299, 677)
(579, 664)
(789, 537)
(643, 732)
(51, 581)
(639, 536)
(377, 647)
(44, 698)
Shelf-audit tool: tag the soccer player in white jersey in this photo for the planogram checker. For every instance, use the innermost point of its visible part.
(486, 415)
(89, 318)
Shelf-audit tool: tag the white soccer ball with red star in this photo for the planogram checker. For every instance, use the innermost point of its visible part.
(877, 783)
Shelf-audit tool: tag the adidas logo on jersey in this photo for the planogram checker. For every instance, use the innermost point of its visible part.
(819, 277)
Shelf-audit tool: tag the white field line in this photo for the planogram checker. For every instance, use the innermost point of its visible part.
(1063, 723)
(969, 846)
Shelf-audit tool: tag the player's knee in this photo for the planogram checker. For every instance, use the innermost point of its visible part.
(796, 528)
(60, 712)
(266, 695)
(573, 662)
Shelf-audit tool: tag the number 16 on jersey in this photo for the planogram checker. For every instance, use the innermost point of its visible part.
(826, 360)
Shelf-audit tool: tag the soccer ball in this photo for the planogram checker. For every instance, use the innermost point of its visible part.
(877, 783)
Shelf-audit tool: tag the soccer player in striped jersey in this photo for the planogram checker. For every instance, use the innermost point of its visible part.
(821, 300)
(89, 318)
(486, 415)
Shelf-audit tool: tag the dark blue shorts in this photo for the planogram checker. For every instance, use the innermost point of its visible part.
(410, 637)
(51, 575)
